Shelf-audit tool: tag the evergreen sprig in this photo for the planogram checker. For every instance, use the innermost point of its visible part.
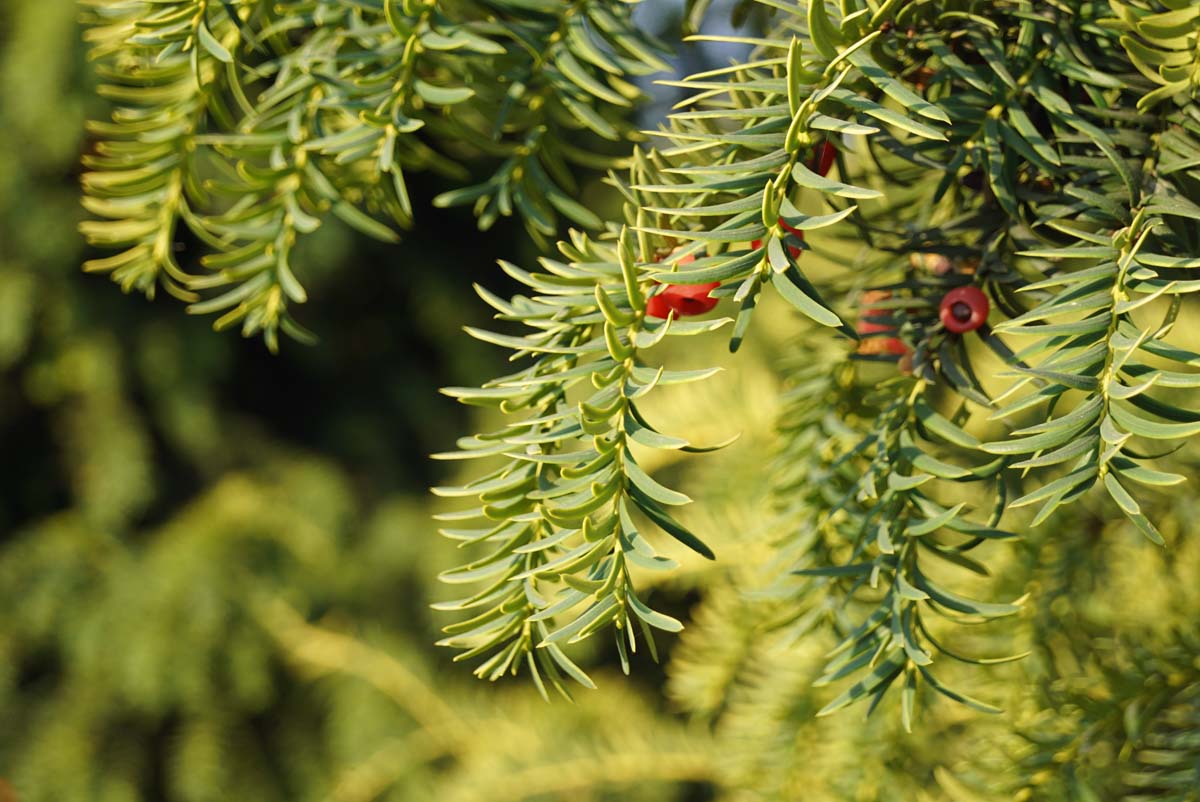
(252, 123)
(559, 513)
(141, 179)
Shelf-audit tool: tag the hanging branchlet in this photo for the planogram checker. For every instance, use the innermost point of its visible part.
(893, 522)
(564, 90)
(159, 66)
(876, 519)
(1108, 293)
(563, 518)
(254, 123)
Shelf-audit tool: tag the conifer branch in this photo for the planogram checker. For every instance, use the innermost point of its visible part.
(277, 117)
(143, 177)
(563, 504)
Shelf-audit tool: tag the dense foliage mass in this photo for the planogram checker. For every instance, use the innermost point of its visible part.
(1038, 159)
(943, 250)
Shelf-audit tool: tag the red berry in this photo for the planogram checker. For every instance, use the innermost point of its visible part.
(865, 324)
(823, 158)
(683, 299)
(657, 306)
(964, 309)
(878, 345)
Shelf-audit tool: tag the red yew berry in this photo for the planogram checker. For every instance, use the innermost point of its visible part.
(964, 309)
(657, 306)
(823, 158)
(682, 299)
(866, 326)
(883, 345)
